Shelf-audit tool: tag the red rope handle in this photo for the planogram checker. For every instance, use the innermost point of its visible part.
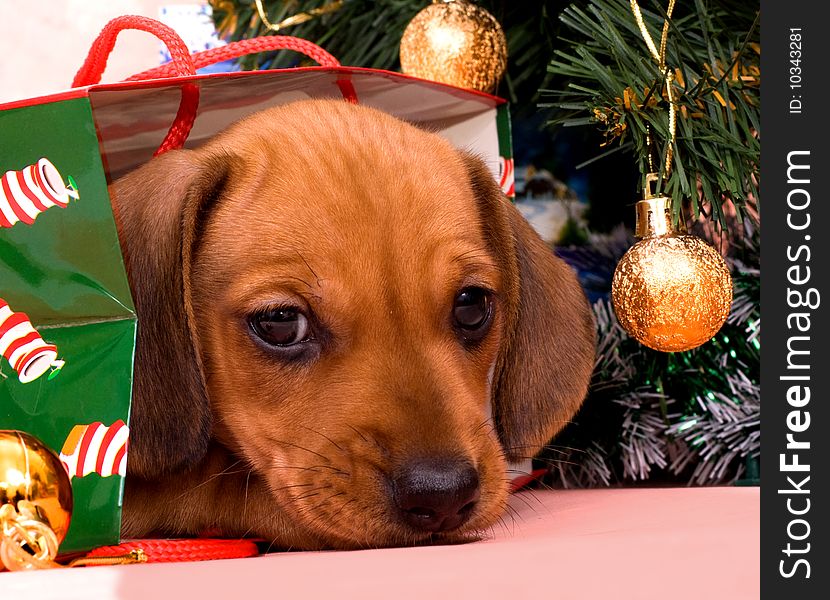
(242, 48)
(183, 64)
(180, 550)
(96, 61)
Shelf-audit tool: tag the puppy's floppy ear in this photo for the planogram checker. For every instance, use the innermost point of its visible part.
(547, 357)
(157, 209)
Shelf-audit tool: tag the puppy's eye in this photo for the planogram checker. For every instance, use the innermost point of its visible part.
(281, 327)
(471, 312)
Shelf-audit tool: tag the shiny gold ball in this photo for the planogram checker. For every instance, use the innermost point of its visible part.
(457, 43)
(672, 292)
(33, 480)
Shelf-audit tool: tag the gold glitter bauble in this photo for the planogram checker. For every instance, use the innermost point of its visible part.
(35, 494)
(671, 291)
(457, 43)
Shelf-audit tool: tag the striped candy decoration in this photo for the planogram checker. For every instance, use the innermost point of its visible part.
(26, 193)
(23, 347)
(95, 448)
(507, 179)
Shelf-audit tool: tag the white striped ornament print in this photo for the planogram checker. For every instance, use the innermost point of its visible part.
(95, 448)
(22, 346)
(26, 193)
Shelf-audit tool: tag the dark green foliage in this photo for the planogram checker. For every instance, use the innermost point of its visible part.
(367, 33)
(714, 48)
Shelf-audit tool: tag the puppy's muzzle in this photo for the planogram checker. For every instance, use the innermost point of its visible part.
(436, 494)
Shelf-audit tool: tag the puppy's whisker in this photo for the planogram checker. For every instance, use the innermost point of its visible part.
(485, 424)
(526, 503)
(511, 510)
(326, 458)
(288, 487)
(355, 429)
(554, 447)
(245, 500)
(500, 520)
(335, 495)
(225, 471)
(271, 545)
(310, 494)
(325, 437)
(555, 462)
(343, 506)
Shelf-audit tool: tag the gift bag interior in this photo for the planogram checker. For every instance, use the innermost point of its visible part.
(132, 119)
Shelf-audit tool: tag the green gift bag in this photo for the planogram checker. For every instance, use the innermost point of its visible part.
(67, 321)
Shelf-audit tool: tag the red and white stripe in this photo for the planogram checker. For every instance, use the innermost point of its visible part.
(507, 178)
(95, 448)
(23, 347)
(26, 193)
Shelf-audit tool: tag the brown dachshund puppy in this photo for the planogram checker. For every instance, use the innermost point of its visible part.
(345, 331)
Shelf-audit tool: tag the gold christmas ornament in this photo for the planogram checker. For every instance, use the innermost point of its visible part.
(455, 42)
(35, 502)
(671, 291)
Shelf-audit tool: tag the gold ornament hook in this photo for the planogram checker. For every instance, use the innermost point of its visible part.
(653, 213)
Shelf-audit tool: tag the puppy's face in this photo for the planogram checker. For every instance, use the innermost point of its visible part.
(361, 304)
(349, 315)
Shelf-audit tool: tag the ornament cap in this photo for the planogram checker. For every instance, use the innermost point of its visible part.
(654, 217)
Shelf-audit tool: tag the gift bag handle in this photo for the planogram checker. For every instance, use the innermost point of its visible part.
(243, 48)
(96, 61)
(182, 63)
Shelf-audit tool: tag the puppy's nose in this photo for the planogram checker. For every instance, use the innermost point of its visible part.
(436, 494)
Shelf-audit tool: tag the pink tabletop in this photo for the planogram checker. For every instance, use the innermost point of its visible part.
(701, 543)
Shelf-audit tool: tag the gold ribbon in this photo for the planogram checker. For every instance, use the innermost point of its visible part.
(298, 18)
(21, 530)
(668, 74)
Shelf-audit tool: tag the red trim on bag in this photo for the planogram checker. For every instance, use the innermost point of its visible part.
(462, 93)
(71, 94)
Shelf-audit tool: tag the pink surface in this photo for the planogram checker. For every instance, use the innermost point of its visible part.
(581, 544)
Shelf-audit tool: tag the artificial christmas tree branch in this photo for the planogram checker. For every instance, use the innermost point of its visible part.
(605, 79)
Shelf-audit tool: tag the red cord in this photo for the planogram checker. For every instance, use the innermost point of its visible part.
(523, 481)
(242, 48)
(181, 550)
(252, 46)
(182, 64)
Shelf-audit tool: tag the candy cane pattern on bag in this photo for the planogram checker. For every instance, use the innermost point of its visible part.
(507, 180)
(22, 346)
(95, 448)
(26, 193)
